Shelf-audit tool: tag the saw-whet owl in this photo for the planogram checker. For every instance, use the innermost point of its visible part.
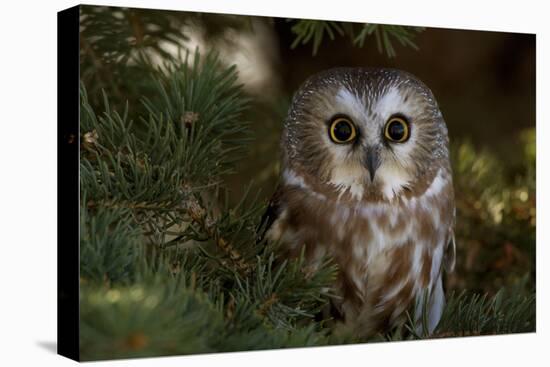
(366, 179)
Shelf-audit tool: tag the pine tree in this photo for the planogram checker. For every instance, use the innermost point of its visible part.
(169, 264)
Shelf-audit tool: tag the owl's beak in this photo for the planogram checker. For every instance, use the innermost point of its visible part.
(373, 160)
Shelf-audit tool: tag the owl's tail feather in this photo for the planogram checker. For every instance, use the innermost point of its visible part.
(429, 309)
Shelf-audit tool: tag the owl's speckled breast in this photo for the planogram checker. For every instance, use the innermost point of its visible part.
(388, 253)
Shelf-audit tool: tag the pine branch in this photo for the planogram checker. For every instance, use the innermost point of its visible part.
(315, 31)
(384, 35)
(504, 313)
(162, 160)
(158, 226)
(109, 245)
(119, 47)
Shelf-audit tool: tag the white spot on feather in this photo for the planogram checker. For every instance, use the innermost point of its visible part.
(436, 186)
(417, 262)
(359, 249)
(351, 104)
(348, 177)
(436, 216)
(378, 242)
(392, 102)
(276, 232)
(293, 179)
(372, 209)
(393, 179)
(439, 182)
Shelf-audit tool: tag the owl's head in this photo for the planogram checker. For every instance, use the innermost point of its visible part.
(364, 134)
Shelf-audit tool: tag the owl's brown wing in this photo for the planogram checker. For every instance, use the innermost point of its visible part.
(270, 215)
(449, 256)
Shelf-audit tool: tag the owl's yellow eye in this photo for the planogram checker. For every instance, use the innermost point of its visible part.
(397, 130)
(342, 130)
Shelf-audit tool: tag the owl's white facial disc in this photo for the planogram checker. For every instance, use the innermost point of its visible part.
(395, 170)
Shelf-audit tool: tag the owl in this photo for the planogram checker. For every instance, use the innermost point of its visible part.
(366, 180)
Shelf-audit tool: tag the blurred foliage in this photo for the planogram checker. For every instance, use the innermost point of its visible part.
(496, 218)
(314, 31)
(169, 259)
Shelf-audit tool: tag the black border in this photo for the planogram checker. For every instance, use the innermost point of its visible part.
(68, 183)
